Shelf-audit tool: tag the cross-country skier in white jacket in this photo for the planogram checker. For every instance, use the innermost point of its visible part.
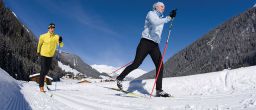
(149, 44)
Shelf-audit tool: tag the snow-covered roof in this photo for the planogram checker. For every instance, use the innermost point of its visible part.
(37, 74)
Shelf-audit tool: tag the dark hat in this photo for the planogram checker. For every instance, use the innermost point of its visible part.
(51, 25)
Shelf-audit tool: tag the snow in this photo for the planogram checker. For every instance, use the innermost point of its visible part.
(10, 94)
(110, 69)
(210, 43)
(75, 60)
(14, 14)
(223, 90)
(103, 68)
(254, 5)
(25, 28)
(67, 68)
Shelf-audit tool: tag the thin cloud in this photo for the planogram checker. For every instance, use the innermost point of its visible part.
(75, 10)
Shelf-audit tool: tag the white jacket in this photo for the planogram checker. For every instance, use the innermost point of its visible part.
(154, 24)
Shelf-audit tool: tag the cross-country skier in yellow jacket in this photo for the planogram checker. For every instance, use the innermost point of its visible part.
(46, 49)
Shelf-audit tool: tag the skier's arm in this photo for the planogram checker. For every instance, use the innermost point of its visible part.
(155, 20)
(40, 42)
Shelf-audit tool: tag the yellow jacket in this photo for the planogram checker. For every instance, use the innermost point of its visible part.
(47, 44)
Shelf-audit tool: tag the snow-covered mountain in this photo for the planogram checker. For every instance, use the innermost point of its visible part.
(110, 69)
(254, 5)
(67, 68)
(222, 90)
(73, 63)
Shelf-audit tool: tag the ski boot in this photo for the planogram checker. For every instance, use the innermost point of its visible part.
(161, 93)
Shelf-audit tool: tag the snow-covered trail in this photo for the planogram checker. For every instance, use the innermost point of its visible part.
(96, 97)
(10, 96)
(40, 101)
(224, 90)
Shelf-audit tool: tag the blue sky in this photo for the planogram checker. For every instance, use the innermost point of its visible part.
(108, 31)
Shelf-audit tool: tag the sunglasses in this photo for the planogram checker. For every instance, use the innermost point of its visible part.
(51, 26)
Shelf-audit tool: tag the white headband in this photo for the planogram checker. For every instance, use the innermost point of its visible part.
(157, 4)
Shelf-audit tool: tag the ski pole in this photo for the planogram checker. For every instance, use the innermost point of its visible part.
(58, 58)
(122, 67)
(55, 85)
(161, 62)
(58, 53)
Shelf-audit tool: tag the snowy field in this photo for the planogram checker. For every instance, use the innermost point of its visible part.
(224, 90)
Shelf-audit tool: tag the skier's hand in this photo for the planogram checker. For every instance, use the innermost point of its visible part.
(60, 39)
(173, 13)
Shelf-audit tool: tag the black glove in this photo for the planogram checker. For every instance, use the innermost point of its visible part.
(173, 13)
(60, 39)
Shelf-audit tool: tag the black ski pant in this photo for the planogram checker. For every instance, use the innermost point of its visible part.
(144, 48)
(45, 67)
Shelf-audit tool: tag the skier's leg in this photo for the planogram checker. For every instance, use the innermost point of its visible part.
(43, 72)
(48, 65)
(45, 66)
(156, 57)
(141, 53)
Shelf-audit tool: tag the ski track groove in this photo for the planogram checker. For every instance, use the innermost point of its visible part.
(104, 102)
(75, 102)
(9, 103)
(17, 103)
(35, 97)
